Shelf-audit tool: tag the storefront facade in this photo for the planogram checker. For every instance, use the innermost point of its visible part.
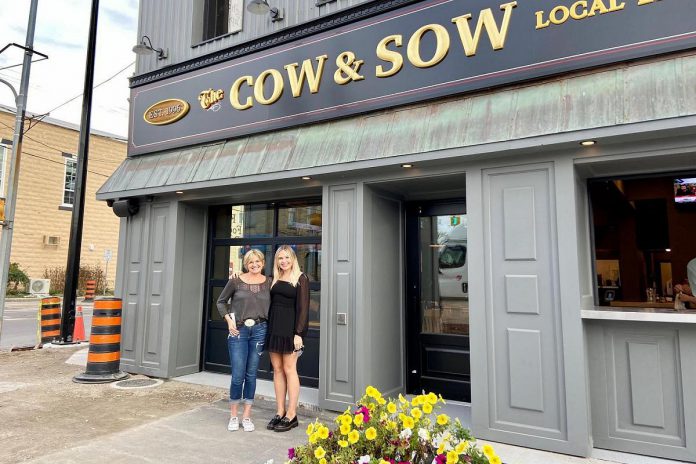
(429, 173)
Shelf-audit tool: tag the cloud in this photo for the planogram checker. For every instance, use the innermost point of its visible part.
(62, 28)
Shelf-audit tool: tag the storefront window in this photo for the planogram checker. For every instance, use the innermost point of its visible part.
(244, 221)
(299, 221)
(229, 259)
(643, 241)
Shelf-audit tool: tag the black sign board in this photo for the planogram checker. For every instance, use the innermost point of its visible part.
(428, 50)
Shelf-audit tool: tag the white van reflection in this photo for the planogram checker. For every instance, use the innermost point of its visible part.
(452, 273)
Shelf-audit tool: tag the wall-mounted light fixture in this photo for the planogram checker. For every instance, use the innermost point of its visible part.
(261, 7)
(145, 47)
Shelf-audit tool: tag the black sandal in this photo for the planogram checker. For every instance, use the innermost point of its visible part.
(286, 424)
(275, 421)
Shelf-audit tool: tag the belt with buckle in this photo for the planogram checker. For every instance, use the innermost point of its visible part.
(251, 322)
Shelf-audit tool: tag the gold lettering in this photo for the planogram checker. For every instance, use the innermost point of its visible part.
(576, 12)
(234, 93)
(554, 17)
(307, 71)
(540, 24)
(598, 5)
(277, 87)
(646, 2)
(486, 19)
(614, 7)
(395, 58)
(442, 44)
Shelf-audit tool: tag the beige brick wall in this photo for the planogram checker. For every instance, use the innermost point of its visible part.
(40, 193)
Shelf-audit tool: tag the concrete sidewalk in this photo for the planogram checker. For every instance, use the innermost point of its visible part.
(195, 433)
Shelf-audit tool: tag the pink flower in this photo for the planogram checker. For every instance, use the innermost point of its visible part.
(365, 412)
(291, 453)
(441, 459)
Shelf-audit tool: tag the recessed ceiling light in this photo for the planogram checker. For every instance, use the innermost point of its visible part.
(668, 250)
(306, 178)
(179, 192)
(588, 143)
(406, 165)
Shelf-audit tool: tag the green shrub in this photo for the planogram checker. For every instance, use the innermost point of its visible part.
(17, 280)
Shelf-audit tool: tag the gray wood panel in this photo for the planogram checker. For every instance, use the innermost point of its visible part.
(337, 343)
(155, 297)
(522, 397)
(641, 384)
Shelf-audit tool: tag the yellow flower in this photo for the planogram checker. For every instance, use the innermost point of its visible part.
(371, 407)
(461, 447)
(442, 419)
(358, 419)
(402, 400)
(310, 428)
(381, 401)
(391, 407)
(322, 461)
(346, 419)
(416, 413)
(353, 437)
(372, 392)
(431, 398)
(427, 408)
(441, 448)
(319, 453)
(488, 450)
(382, 461)
(452, 457)
(392, 425)
(416, 401)
(323, 433)
(371, 433)
(494, 460)
(342, 443)
(345, 429)
(313, 438)
(409, 422)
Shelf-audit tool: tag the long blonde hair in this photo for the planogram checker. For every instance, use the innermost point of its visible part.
(295, 271)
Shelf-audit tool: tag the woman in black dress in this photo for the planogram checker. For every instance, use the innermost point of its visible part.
(288, 321)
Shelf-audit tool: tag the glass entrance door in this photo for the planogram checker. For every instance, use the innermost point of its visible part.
(438, 300)
(234, 230)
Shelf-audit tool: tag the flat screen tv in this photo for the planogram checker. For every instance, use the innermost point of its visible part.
(685, 190)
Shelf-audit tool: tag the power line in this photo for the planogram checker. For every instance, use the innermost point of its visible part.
(24, 152)
(52, 147)
(101, 83)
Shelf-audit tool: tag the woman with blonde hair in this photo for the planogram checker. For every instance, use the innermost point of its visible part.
(246, 318)
(287, 329)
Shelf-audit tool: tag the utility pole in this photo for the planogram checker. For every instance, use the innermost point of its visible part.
(21, 102)
(67, 321)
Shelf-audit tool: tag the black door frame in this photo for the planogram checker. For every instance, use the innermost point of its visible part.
(413, 211)
(265, 371)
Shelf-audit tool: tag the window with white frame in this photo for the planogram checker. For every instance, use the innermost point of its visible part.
(222, 17)
(69, 184)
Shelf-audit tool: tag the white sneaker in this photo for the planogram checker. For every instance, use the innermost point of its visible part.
(247, 424)
(233, 424)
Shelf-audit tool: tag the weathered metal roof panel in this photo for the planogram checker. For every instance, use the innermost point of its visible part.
(228, 159)
(184, 168)
(204, 169)
(592, 102)
(655, 90)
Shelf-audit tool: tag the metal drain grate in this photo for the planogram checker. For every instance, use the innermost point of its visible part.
(137, 383)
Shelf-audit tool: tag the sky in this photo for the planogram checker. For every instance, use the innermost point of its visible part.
(62, 29)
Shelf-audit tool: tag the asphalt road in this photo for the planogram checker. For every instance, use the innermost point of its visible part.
(20, 322)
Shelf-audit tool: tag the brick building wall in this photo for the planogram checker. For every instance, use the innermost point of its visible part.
(40, 211)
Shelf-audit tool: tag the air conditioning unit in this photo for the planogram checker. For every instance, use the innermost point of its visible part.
(51, 240)
(39, 286)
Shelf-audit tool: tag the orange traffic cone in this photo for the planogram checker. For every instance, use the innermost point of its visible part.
(79, 330)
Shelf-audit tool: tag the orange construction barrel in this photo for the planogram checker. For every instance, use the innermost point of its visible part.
(50, 319)
(90, 287)
(104, 355)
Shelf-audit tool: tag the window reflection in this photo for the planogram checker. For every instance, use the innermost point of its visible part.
(299, 221)
(244, 221)
(444, 276)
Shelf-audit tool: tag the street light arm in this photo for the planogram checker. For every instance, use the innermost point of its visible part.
(11, 88)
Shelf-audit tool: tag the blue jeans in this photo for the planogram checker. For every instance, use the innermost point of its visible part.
(245, 351)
